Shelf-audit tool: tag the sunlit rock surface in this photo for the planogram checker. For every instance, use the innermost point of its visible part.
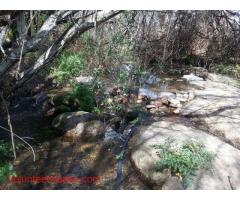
(225, 170)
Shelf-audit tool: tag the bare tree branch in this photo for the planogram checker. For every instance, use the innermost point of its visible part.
(58, 46)
(46, 28)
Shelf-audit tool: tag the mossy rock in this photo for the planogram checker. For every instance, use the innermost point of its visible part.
(62, 102)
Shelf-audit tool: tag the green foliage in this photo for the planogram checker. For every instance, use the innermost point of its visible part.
(6, 168)
(231, 70)
(183, 160)
(97, 110)
(69, 65)
(139, 72)
(120, 49)
(120, 156)
(85, 96)
(118, 107)
(123, 76)
(5, 150)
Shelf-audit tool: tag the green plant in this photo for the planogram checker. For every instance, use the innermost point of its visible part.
(69, 65)
(6, 170)
(183, 160)
(123, 76)
(97, 110)
(231, 70)
(6, 167)
(120, 156)
(5, 150)
(118, 107)
(85, 96)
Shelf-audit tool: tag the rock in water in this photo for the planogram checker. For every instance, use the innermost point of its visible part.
(144, 158)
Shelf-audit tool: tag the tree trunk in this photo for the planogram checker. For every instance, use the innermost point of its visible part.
(46, 28)
(79, 27)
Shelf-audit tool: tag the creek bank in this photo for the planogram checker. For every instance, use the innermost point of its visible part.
(80, 155)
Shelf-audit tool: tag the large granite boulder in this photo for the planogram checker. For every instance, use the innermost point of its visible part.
(79, 125)
(225, 170)
(217, 107)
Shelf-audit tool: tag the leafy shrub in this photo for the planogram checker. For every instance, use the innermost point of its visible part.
(231, 70)
(183, 160)
(85, 96)
(69, 65)
(5, 150)
(123, 77)
(6, 168)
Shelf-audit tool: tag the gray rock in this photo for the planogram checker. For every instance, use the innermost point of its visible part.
(218, 108)
(126, 68)
(150, 106)
(149, 79)
(173, 183)
(93, 130)
(148, 93)
(192, 77)
(76, 125)
(84, 79)
(174, 103)
(225, 164)
(111, 135)
(167, 95)
(185, 96)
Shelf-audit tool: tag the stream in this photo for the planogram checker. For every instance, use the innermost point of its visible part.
(57, 157)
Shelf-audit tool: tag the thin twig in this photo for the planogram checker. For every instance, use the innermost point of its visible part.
(24, 141)
(9, 124)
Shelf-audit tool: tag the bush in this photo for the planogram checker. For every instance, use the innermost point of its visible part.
(85, 96)
(183, 160)
(231, 70)
(69, 65)
(6, 168)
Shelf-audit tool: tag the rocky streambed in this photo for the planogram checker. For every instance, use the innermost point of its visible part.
(184, 108)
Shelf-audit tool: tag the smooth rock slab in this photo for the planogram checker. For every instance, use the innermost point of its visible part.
(218, 108)
(226, 164)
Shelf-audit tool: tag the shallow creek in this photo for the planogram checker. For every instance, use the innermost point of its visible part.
(56, 157)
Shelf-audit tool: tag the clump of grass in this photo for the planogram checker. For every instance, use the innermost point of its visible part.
(183, 160)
